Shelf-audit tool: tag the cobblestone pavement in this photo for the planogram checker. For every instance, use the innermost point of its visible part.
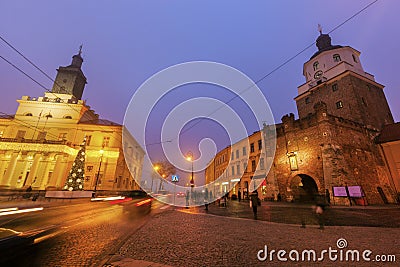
(292, 213)
(189, 237)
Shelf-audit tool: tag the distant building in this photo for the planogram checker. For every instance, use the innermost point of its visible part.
(342, 109)
(39, 143)
(389, 142)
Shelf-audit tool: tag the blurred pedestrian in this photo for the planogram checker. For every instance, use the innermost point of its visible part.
(254, 203)
(320, 207)
(187, 199)
(239, 195)
(206, 198)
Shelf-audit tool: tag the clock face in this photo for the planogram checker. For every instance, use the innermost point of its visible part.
(318, 74)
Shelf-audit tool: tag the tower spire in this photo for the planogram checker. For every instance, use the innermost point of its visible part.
(80, 50)
(319, 28)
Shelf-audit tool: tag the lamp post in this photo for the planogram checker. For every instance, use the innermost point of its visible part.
(98, 171)
(156, 168)
(189, 157)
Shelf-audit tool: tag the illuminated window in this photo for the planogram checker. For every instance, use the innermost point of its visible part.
(336, 58)
(106, 141)
(253, 165)
(262, 165)
(42, 135)
(88, 139)
(62, 136)
(315, 65)
(339, 104)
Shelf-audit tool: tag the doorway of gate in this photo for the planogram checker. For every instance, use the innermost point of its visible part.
(303, 188)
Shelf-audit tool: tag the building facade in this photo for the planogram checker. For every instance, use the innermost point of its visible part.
(39, 143)
(331, 146)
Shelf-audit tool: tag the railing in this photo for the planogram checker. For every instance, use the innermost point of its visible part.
(35, 141)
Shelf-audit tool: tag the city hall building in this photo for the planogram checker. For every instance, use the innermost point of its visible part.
(335, 148)
(38, 144)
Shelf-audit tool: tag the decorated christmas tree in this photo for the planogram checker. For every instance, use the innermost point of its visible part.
(76, 175)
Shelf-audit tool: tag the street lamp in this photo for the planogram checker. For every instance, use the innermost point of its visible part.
(156, 168)
(98, 171)
(189, 157)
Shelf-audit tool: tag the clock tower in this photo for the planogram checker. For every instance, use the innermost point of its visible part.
(335, 76)
(70, 80)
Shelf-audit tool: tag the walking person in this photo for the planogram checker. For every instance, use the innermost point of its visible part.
(239, 195)
(206, 198)
(254, 203)
(187, 199)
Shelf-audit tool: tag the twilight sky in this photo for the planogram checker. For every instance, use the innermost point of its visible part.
(126, 42)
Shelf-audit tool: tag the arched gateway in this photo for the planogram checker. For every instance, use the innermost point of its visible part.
(303, 188)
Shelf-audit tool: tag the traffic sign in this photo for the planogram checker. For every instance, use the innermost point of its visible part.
(174, 178)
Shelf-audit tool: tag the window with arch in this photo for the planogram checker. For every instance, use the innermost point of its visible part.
(67, 117)
(28, 114)
(336, 58)
(315, 65)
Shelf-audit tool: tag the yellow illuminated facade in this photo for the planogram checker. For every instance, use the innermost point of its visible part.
(39, 143)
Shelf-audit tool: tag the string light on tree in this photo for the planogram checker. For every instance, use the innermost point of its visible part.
(76, 176)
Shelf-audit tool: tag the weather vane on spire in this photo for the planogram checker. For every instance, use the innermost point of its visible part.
(80, 49)
(320, 28)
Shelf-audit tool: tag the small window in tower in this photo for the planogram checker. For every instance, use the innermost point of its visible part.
(336, 58)
(334, 87)
(354, 58)
(363, 101)
(308, 101)
(339, 104)
(315, 65)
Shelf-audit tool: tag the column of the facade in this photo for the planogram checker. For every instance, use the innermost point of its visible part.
(3, 166)
(21, 182)
(11, 168)
(60, 171)
(56, 171)
(34, 169)
(44, 175)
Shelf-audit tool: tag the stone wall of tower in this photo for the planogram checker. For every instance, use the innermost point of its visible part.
(360, 100)
(334, 152)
